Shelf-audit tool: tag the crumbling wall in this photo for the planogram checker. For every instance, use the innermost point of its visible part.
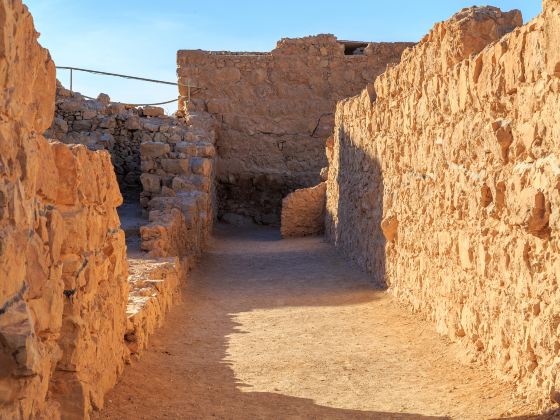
(165, 165)
(154, 288)
(165, 162)
(101, 124)
(62, 265)
(274, 112)
(92, 262)
(303, 212)
(446, 187)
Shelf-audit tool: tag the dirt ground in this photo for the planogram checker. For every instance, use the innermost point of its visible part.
(286, 329)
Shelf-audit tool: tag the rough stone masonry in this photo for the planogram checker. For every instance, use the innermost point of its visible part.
(275, 111)
(68, 320)
(63, 271)
(446, 187)
(444, 181)
(165, 162)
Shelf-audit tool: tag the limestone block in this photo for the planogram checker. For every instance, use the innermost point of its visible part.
(191, 183)
(108, 122)
(104, 98)
(153, 111)
(150, 150)
(149, 125)
(70, 106)
(147, 165)
(185, 148)
(201, 166)
(151, 183)
(133, 123)
(205, 150)
(176, 166)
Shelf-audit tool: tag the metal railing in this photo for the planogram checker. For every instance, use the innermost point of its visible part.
(126, 76)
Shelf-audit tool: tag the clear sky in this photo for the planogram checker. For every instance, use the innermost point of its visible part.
(141, 37)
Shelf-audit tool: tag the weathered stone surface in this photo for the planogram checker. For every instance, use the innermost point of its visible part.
(178, 225)
(173, 182)
(153, 111)
(275, 111)
(201, 166)
(154, 285)
(445, 187)
(121, 129)
(62, 265)
(303, 212)
(154, 149)
(176, 166)
(151, 183)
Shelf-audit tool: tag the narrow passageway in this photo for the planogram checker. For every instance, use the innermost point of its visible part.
(271, 328)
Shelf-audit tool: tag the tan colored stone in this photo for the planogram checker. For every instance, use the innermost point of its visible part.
(154, 287)
(154, 149)
(151, 183)
(185, 148)
(153, 111)
(303, 212)
(390, 227)
(273, 112)
(201, 166)
(460, 145)
(176, 166)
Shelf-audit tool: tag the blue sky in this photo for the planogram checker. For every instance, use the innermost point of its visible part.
(141, 37)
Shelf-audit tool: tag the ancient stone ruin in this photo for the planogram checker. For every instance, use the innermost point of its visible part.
(274, 112)
(431, 166)
(462, 172)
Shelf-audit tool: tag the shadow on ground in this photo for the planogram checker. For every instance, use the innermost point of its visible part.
(287, 329)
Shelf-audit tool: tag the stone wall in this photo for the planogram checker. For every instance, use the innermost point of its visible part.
(303, 212)
(63, 272)
(168, 160)
(104, 125)
(274, 112)
(178, 187)
(154, 287)
(446, 187)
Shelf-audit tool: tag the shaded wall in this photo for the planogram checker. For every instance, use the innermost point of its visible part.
(455, 165)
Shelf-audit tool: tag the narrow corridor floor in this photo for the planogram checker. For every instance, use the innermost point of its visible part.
(287, 329)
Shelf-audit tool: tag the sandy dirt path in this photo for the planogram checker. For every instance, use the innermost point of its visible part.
(286, 329)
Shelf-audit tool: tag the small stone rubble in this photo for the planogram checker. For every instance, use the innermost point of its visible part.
(154, 283)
